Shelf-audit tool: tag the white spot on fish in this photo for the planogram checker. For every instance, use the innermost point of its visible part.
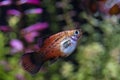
(67, 46)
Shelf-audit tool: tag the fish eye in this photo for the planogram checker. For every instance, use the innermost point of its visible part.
(77, 32)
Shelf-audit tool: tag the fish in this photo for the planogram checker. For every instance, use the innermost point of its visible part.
(56, 46)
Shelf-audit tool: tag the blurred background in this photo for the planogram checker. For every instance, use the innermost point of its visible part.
(24, 22)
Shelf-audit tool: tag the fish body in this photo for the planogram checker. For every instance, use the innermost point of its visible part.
(58, 45)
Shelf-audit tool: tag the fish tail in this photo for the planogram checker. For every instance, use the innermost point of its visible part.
(31, 63)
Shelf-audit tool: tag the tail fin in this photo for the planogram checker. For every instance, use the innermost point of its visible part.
(31, 63)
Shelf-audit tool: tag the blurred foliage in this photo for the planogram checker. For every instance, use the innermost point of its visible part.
(97, 56)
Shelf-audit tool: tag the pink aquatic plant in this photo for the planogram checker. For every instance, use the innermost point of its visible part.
(30, 36)
(33, 2)
(35, 27)
(34, 11)
(31, 31)
(14, 12)
(5, 2)
(16, 45)
(5, 28)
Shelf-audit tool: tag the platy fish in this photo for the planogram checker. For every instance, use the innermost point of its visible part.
(59, 45)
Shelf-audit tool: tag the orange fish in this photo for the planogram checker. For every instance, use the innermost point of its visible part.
(56, 46)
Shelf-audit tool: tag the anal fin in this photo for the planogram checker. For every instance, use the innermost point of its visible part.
(53, 60)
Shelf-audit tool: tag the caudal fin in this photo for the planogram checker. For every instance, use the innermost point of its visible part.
(30, 62)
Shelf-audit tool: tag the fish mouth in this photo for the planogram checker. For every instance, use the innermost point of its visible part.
(75, 38)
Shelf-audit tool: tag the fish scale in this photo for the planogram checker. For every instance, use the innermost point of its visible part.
(48, 49)
(53, 42)
(58, 45)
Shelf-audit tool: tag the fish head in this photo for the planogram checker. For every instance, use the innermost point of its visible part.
(75, 34)
(68, 45)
